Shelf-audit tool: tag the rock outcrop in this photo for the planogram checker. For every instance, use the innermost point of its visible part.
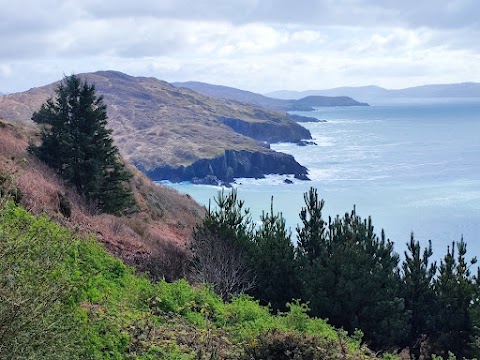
(232, 164)
(268, 131)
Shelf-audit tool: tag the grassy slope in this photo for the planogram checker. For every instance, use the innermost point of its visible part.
(110, 313)
(164, 217)
(155, 123)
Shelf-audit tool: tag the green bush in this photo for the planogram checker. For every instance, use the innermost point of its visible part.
(38, 319)
(275, 345)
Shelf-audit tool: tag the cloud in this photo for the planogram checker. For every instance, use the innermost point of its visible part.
(259, 45)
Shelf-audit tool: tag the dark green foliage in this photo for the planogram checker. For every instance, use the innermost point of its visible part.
(78, 145)
(420, 300)
(275, 345)
(312, 234)
(222, 247)
(274, 266)
(350, 275)
(456, 295)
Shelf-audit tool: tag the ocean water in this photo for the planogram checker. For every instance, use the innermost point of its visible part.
(411, 165)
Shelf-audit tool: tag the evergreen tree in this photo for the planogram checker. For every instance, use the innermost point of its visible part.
(78, 145)
(455, 290)
(311, 236)
(350, 275)
(274, 267)
(222, 247)
(420, 302)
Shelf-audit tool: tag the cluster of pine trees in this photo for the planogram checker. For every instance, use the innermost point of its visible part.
(346, 273)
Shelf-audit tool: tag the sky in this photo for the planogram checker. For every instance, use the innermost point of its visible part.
(256, 45)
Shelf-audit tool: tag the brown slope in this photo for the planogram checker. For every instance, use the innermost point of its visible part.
(157, 125)
(162, 226)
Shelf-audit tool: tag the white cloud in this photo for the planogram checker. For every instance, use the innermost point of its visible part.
(260, 45)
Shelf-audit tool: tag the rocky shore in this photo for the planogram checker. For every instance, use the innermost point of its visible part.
(232, 164)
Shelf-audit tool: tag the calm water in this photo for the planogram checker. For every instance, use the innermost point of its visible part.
(412, 166)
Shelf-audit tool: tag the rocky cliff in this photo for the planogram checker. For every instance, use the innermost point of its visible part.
(230, 165)
(269, 132)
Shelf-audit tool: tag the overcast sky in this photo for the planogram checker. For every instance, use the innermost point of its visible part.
(258, 45)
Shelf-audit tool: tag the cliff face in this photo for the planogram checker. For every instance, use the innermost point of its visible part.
(232, 164)
(270, 132)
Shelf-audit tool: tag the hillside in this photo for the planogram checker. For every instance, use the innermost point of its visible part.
(166, 131)
(160, 227)
(368, 93)
(71, 300)
(280, 104)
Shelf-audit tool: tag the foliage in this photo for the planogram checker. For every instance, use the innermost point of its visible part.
(455, 291)
(37, 319)
(89, 305)
(417, 287)
(350, 275)
(274, 263)
(275, 345)
(78, 145)
(221, 247)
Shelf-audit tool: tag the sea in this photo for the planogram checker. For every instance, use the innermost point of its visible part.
(413, 165)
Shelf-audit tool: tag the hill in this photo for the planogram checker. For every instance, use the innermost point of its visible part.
(368, 93)
(280, 104)
(160, 226)
(178, 134)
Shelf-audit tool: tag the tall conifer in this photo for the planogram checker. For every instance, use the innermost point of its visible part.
(78, 145)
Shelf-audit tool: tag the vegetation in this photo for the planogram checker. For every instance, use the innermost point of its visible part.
(221, 248)
(89, 305)
(77, 144)
(354, 278)
(62, 296)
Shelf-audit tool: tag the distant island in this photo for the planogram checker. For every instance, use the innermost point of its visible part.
(367, 93)
(307, 103)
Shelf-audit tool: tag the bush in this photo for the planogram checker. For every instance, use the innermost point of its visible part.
(275, 345)
(37, 318)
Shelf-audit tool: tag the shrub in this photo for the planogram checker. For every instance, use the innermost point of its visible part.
(37, 318)
(276, 345)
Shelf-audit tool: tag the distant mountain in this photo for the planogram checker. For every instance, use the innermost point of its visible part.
(178, 134)
(369, 93)
(284, 104)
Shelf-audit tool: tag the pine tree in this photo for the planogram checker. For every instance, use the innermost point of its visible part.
(350, 275)
(455, 290)
(311, 235)
(78, 145)
(418, 276)
(274, 265)
(222, 247)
